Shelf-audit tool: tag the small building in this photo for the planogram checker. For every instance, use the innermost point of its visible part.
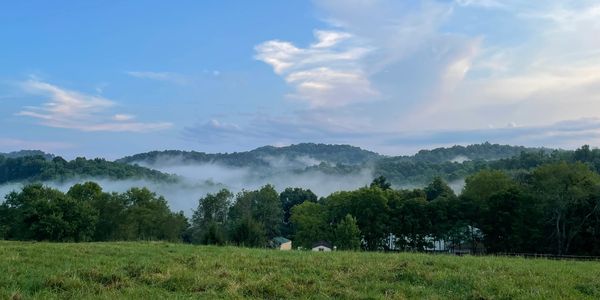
(281, 243)
(322, 246)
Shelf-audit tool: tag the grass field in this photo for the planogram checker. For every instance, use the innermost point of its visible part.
(175, 271)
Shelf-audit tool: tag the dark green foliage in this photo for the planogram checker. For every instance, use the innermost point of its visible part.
(147, 217)
(334, 154)
(409, 221)
(381, 183)
(86, 213)
(44, 214)
(438, 188)
(569, 198)
(369, 206)
(209, 220)
(248, 232)
(40, 168)
(289, 198)
(538, 201)
(255, 217)
(310, 224)
(347, 234)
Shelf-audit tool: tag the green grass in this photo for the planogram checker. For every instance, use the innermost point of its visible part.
(175, 271)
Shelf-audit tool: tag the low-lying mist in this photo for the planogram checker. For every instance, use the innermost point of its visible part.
(198, 179)
(281, 174)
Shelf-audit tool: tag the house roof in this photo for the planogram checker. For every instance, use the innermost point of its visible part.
(322, 243)
(280, 240)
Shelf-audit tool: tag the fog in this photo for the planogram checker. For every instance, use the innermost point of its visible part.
(196, 180)
(281, 173)
(182, 195)
(460, 159)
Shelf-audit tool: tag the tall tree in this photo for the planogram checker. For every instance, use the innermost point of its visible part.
(148, 217)
(209, 219)
(42, 213)
(347, 234)
(381, 182)
(438, 188)
(569, 196)
(310, 222)
(291, 197)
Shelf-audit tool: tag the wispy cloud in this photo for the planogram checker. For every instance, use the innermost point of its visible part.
(74, 110)
(448, 68)
(327, 73)
(159, 76)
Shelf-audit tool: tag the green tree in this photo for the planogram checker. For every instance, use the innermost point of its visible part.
(262, 206)
(209, 219)
(148, 217)
(310, 223)
(42, 213)
(289, 198)
(267, 210)
(381, 182)
(508, 222)
(109, 207)
(410, 221)
(568, 196)
(370, 208)
(438, 188)
(347, 234)
(248, 232)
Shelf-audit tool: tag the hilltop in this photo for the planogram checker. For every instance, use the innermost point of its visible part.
(266, 162)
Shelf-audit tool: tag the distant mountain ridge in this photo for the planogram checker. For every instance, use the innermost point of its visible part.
(24, 153)
(332, 154)
(260, 157)
(450, 163)
(37, 167)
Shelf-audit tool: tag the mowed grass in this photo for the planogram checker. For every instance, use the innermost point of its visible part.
(148, 270)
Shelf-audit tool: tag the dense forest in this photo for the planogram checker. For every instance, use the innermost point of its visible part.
(38, 167)
(541, 202)
(452, 163)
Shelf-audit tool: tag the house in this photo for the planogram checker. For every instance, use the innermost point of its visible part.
(281, 243)
(322, 246)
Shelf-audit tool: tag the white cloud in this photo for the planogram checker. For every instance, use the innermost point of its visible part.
(159, 76)
(123, 117)
(449, 71)
(481, 3)
(74, 110)
(325, 74)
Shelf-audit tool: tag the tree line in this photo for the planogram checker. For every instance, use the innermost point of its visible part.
(43, 168)
(554, 208)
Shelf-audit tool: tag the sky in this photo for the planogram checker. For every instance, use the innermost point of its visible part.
(114, 78)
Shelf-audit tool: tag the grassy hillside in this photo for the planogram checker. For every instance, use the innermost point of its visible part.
(163, 270)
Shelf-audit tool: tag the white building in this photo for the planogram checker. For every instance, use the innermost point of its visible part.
(322, 246)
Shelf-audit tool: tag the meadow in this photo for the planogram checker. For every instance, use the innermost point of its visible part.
(159, 270)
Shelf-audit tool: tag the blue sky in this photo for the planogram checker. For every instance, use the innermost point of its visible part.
(112, 78)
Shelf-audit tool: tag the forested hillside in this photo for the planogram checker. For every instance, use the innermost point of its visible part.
(452, 163)
(23, 153)
(401, 170)
(304, 154)
(40, 168)
(554, 208)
